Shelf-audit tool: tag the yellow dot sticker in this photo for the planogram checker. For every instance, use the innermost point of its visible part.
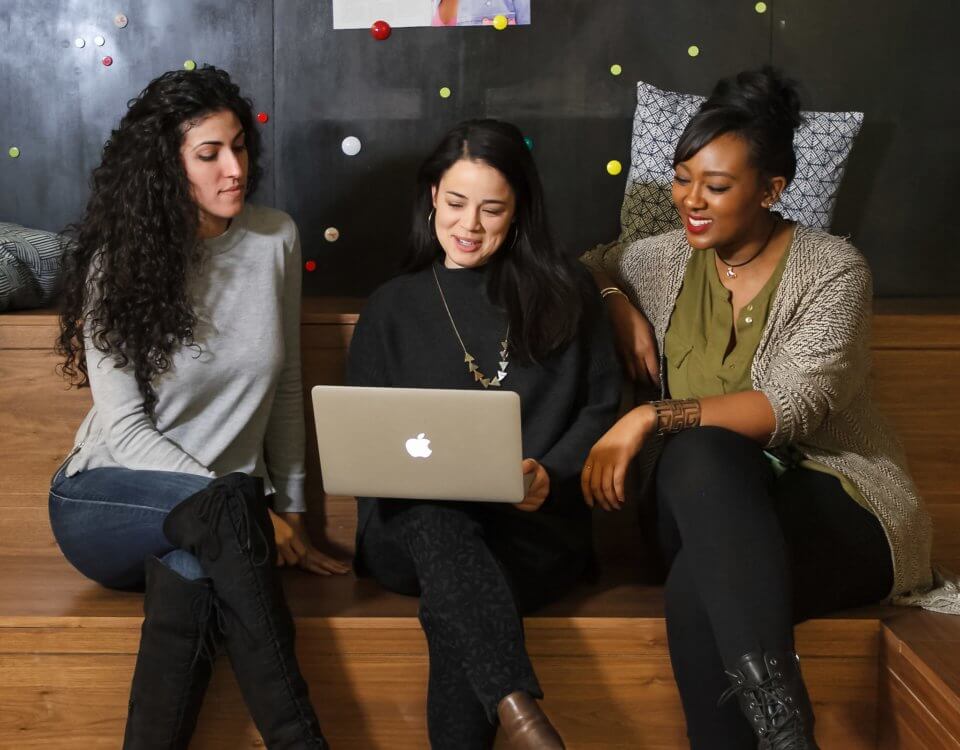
(14, 152)
(693, 50)
(614, 167)
(445, 92)
(189, 65)
(760, 7)
(616, 69)
(500, 22)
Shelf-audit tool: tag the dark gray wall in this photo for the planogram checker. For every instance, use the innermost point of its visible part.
(890, 60)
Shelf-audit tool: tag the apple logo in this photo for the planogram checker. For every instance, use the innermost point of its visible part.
(419, 447)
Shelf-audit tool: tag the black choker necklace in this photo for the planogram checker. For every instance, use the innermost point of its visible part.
(731, 274)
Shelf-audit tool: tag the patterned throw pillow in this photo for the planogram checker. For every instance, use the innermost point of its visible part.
(822, 145)
(31, 261)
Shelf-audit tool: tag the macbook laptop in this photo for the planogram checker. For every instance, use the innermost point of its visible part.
(420, 443)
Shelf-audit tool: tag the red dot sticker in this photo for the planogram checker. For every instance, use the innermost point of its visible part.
(380, 30)
(108, 61)
(263, 117)
(310, 265)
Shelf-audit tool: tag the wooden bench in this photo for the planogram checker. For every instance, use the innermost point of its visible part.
(880, 677)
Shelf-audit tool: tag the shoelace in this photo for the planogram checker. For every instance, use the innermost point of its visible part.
(206, 609)
(784, 731)
(210, 508)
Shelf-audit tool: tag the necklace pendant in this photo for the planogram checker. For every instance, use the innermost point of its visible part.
(467, 357)
(494, 382)
(731, 274)
(501, 375)
(485, 382)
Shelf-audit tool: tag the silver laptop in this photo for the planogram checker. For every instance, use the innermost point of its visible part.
(420, 443)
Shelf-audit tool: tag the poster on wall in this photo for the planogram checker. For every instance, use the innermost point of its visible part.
(361, 14)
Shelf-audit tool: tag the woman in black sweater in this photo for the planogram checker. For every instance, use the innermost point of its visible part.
(487, 291)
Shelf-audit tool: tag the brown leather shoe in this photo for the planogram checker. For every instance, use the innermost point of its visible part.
(526, 725)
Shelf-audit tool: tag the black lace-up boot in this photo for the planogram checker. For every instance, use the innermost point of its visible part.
(227, 527)
(177, 645)
(771, 693)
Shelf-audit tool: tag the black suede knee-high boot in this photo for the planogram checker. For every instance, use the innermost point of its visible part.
(227, 526)
(174, 663)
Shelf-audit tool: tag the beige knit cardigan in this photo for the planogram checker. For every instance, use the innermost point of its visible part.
(812, 363)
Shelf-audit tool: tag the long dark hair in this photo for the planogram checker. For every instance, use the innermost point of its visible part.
(125, 283)
(537, 286)
(762, 107)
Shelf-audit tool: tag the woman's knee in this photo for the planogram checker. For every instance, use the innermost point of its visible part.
(694, 463)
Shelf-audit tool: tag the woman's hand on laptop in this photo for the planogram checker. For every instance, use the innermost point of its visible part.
(295, 548)
(539, 487)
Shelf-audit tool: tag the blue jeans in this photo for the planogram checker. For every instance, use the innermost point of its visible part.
(107, 521)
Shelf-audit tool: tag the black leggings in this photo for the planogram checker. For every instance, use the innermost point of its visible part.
(477, 568)
(749, 555)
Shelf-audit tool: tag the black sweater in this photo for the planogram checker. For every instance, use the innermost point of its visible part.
(568, 400)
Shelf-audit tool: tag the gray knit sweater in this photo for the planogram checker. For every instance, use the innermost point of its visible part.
(237, 405)
(812, 363)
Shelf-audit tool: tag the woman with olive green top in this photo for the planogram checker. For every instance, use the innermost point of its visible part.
(781, 493)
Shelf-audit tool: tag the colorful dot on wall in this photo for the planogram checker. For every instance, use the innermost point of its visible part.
(693, 50)
(380, 30)
(13, 152)
(99, 40)
(616, 69)
(500, 22)
(331, 234)
(614, 167)
(760, 7)
(189, 65)
(79, 43)
(107, 61)
(445, 92)
(120, 21)
(263, 117)
(529, 141)
(351, 145)
(310, 265)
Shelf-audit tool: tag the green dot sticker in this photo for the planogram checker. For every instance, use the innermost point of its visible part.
(760, 7)
(616, 69)
(529, 141)
(445, 92)
(693, 50)
(14, 152)
(189, 65)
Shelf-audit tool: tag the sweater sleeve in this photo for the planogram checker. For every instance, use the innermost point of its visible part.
(366, 363)
(824, 352)
(599, 404)
(285, 440)
(130, 435)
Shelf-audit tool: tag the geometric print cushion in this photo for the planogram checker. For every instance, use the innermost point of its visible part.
(822, 145)
(31, 262)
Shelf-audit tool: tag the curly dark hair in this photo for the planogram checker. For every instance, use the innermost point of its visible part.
(125, 282)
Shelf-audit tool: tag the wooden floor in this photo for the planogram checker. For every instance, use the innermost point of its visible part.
(67, 649)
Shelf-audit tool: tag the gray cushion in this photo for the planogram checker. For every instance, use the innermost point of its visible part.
(822, 145)
(31, 261)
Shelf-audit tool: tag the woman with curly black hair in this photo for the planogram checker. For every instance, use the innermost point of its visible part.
(181, 313)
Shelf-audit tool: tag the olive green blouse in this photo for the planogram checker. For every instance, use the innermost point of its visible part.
(706, 355)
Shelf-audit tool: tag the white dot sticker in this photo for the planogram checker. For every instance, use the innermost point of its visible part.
(332, 234)
(99, 41)
(351, 145)
(79, 43)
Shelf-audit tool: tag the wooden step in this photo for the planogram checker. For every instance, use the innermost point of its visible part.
(67, 650)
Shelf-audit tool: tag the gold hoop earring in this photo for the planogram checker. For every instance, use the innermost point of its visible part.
(430, 218)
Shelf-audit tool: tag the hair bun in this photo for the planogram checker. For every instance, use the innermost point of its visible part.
(771, 95)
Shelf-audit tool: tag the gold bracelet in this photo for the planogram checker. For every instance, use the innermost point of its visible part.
(607, 291)
(676, 415)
